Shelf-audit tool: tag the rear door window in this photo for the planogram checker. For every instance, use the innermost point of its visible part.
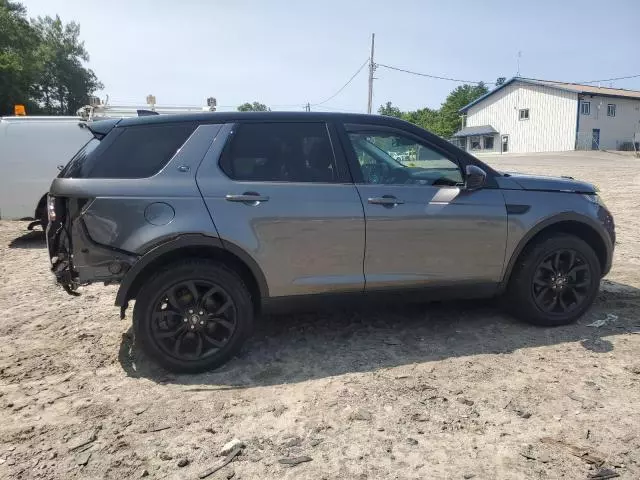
(131, 152)
(280, 152)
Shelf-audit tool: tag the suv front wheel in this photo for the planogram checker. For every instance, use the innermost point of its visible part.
(555, 281)
(193, 316)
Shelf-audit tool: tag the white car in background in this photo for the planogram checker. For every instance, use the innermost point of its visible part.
(31, 149)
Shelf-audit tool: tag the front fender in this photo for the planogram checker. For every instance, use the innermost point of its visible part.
(549, 223)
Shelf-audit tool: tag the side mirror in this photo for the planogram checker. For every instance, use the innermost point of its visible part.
(475, 177)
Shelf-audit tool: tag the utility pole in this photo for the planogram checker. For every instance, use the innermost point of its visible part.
(372, 67)
(307, 107)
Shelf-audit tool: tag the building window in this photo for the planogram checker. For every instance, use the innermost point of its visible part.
(585, 108)
(524, 114)
(474, 143)
(488, 143)
(460, 142)
(464, 120)
(611, 110)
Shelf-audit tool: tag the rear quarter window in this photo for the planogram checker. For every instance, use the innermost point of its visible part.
(132, 152)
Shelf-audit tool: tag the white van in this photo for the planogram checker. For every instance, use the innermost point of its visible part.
(31, 149)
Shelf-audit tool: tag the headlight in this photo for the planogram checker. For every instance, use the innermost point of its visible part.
(593, 198)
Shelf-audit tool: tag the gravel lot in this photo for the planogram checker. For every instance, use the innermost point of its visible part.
(439, 391)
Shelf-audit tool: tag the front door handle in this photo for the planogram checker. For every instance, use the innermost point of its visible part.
(250, 198)
(385, 201)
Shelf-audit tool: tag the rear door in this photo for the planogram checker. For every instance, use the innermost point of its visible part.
(423, 227)
(281, 193)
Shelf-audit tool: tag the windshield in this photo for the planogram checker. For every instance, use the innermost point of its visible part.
(75, 165)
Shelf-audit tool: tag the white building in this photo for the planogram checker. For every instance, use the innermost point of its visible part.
(527, 115)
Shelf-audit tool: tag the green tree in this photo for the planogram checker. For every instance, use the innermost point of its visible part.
(449, 113)
(253, 107)
(64, 84)
(500, 81)
(444, 121)
(389, 110)
(426, 118)
(18, 42)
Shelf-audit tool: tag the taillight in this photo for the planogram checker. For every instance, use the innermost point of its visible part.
(51, 208)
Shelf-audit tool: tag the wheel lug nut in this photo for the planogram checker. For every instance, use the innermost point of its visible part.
(200, 312)
(192, 327)
(201, 322)
(190, 311)
(185, 320)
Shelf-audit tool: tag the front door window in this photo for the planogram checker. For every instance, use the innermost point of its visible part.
(392, 159)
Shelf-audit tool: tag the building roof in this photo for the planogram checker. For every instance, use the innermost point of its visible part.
(564, 86)
(472, 131)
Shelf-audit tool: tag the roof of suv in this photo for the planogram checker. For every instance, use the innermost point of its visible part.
(258, 116)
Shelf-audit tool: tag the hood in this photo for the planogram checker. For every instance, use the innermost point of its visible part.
(551, 184)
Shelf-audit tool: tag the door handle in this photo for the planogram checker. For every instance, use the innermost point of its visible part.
(385, 201)
(250, 198)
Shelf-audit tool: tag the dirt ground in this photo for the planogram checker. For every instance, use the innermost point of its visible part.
(439, 391)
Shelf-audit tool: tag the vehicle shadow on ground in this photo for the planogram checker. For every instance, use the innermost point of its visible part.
(297, 347)
(31, 239)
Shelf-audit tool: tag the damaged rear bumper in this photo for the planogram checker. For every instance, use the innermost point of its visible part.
(77, 260)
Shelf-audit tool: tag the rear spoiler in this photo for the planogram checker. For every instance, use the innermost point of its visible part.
(99, 129)
(146, 113)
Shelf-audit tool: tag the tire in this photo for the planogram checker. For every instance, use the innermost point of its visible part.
(163, 305)
(536, 282)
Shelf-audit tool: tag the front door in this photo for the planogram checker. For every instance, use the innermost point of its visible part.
(423, 227)
(505, 143)
(280, 194)
(595, 139)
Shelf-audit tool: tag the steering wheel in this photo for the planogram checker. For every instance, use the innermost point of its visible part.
(375, 173)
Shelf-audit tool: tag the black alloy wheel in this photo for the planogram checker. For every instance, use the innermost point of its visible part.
(193, 319)
(193, 316)
(561, 282)
(554, 281)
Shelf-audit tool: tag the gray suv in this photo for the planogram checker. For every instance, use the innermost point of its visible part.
(207, 219)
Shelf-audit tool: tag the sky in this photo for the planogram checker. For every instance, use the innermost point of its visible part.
(285, 53)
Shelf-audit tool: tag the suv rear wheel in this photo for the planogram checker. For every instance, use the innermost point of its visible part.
(555, 281)
(193, 316)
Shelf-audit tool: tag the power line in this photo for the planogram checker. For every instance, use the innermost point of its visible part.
(343, 87)
(436, 77)
(328, 107)
(612, 79)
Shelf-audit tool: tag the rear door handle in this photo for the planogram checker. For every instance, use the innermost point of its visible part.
(250, 198)
(385, 201)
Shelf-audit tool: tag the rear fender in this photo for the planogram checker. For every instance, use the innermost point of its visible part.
(185, 241)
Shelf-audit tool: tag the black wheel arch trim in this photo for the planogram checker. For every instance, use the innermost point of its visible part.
(184, 241)
(549, 222)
